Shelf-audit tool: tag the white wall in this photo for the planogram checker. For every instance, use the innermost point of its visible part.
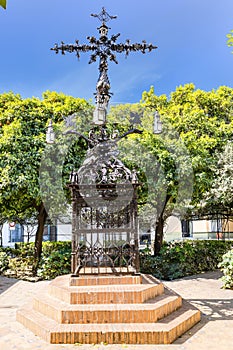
(172, 229)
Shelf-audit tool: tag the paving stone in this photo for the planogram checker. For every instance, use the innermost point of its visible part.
(213, 334)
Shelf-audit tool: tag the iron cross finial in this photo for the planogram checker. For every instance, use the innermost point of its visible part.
(105, 49)
(103, 16)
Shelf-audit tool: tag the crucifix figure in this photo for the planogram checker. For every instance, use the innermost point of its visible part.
(105, 49)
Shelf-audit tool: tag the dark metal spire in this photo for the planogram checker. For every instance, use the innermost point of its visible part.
(105, 49)
(103, 16)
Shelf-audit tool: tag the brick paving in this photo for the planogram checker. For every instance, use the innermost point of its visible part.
(214, 332)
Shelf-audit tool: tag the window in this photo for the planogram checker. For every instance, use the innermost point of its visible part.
(216, 225)
(15, 232)
(187, 228)
(50, 233)
(145, 238)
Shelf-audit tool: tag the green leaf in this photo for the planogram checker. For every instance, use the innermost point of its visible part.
(3, 3)
(230, 39)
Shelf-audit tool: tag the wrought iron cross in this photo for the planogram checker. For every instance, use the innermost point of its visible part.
(105, 48)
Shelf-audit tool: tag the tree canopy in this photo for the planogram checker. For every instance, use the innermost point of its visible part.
(3, 3)
(196, 125)
(219, 199)
(203, 121)
(230, 39)
(23, 125)
(175, 168)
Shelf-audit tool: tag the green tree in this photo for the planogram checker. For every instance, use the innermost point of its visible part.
(203, 121)
(220, 197)
(3, 3)
(161, 161)
(230, 39)
(196, 124)
(22, 143)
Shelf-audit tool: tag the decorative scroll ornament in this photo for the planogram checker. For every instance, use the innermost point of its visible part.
(105, 49)
(104, 180)
(104, 190)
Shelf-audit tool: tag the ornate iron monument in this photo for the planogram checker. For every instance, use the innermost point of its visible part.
(104, 190)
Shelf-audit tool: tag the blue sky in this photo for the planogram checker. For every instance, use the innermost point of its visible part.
(190, 35)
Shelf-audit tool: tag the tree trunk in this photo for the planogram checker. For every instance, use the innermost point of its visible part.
(1, 226)
(159, 228)
(158, 235)
(42, 216)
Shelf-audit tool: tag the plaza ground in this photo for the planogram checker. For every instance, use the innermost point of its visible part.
(214, 332)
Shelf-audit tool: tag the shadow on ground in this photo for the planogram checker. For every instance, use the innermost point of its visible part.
(6, 283)
(209, 275)
(211, 310)
(214, 309)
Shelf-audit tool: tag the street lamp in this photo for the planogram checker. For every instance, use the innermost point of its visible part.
(157, 123)
(50, 136)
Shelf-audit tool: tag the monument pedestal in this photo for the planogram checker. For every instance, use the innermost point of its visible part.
(135, 309)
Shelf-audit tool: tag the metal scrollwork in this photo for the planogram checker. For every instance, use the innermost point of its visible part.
(105, 49)
(104, 190)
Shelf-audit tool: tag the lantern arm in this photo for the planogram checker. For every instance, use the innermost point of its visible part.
(131, 131)
(77, 133)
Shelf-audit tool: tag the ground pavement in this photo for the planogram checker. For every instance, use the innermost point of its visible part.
(214, 332)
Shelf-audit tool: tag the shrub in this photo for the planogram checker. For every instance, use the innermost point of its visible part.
(55, 260)
(175, 260)
(179, 259)
(21, 267)
(226, 266)
(4, 261)
(23, 250)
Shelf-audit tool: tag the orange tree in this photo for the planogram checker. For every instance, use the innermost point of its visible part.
(3, 3)
(23, 125)
(196, 125)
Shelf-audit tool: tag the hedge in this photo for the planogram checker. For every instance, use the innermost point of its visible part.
(175, 260)
(184, 258)
(226, 266)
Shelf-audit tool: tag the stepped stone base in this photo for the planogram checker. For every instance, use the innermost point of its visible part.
(133, 309)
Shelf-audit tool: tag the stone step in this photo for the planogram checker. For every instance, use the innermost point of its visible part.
(104, 270)
(178, 321)
(106, 313)
(105, 294)
(162, 332)
(104, 280)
